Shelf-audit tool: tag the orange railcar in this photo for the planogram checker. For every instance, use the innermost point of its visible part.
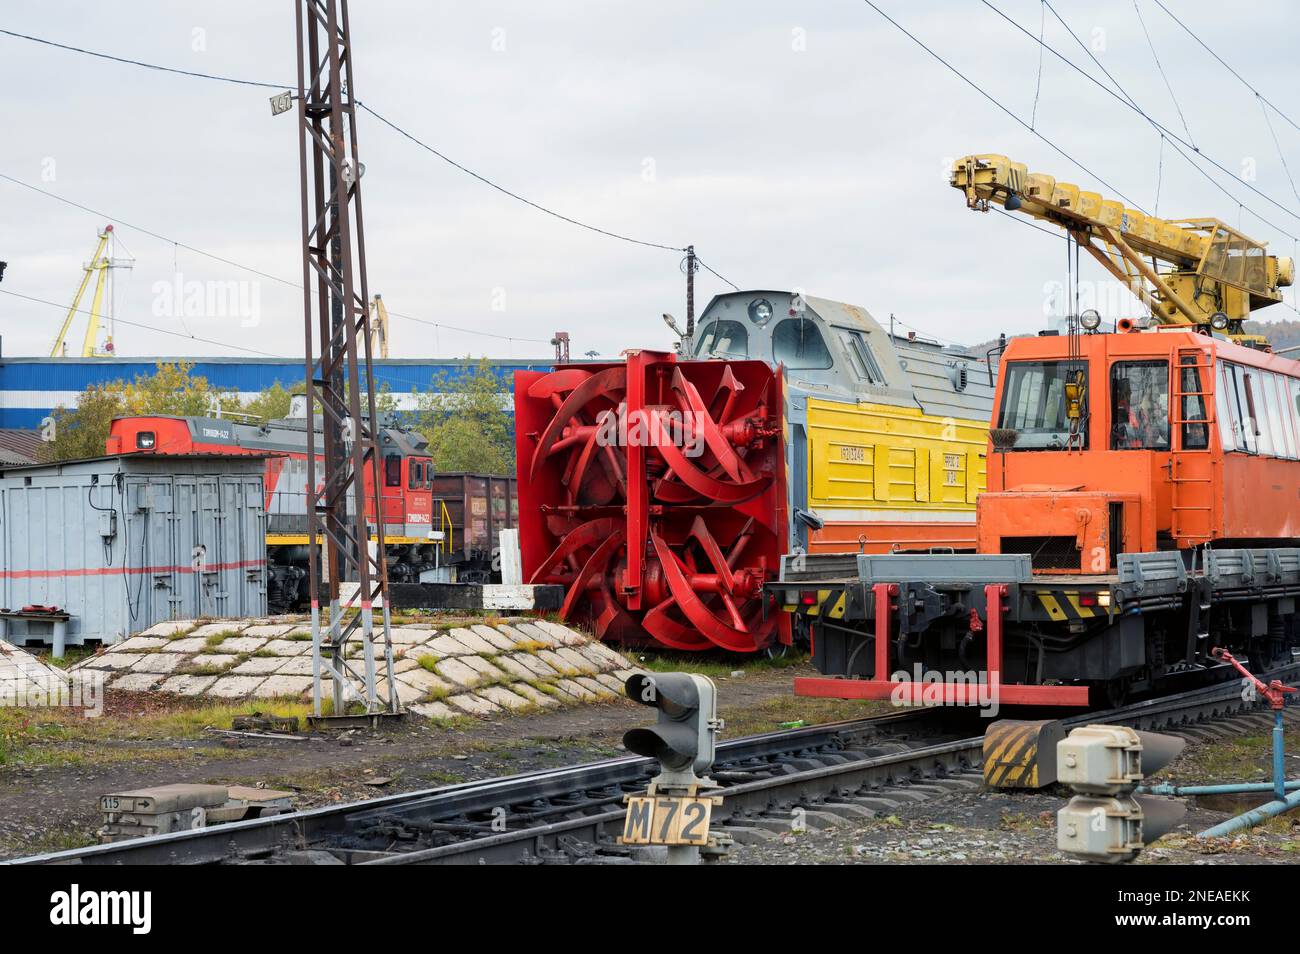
(1143, 507)
(1182, 440)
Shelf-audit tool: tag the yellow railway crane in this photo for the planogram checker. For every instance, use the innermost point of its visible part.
(1199, 272)
(99, 266)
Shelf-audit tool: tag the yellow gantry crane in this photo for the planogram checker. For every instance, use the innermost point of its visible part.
(99, 266)
(1187, 271)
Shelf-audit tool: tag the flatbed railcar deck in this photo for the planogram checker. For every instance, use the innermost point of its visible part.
(944, 627)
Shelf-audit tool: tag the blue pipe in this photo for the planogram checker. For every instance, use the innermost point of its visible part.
(1252, 818)
(1232, 789)
(1282, 802)
(1279, 758)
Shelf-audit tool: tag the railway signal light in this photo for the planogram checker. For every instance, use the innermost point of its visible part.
(684, 737)
(1107, 822)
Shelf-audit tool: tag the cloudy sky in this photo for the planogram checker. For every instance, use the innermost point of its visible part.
(797, 145)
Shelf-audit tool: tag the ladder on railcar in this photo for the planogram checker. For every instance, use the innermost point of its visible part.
(1190, 466)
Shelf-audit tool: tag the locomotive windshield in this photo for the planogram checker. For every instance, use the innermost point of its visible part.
(724, 339)
(1034, 404)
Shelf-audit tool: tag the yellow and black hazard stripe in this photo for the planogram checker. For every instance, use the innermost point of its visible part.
(1021, 754)
(1062, 605)
(829, 604)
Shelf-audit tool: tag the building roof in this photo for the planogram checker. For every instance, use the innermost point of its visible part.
(19, 446)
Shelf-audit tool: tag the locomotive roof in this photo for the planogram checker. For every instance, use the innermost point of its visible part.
(946, 381)
(282, 434)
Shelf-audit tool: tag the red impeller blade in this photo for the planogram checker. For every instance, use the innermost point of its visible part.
(601, 384)
(733, 634)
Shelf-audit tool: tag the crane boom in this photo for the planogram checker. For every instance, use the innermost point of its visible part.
(1197, 272)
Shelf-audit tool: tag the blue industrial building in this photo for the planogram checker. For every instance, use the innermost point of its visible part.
(30, 388)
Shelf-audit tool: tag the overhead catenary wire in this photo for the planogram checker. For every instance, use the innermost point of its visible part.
(137, 324)
(1226, 65)
(1174, 139)
(176, 243)
(1163, 75)
(996, 102)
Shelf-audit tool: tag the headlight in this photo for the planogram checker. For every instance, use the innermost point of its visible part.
(1090, 320)
(760, 311)
(144, 440)
(1218, 321)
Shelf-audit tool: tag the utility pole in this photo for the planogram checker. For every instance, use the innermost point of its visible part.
(691, 267)
(340, 380)
(560, 341)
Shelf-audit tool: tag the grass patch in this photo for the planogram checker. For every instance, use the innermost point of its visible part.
(436, 694)
(715, 665)
(264, 654)
(428, 663)
(216, 639)
(770, 713)
(61, 736)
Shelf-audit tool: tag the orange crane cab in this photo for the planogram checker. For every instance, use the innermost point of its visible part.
(1177, 439)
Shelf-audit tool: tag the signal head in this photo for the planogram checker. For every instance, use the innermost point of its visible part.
(682, 740)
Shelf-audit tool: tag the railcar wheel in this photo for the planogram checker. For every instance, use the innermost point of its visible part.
(1109, 693)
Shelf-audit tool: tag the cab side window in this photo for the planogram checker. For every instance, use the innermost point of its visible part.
(392, 471)
(416, 479)
(1139, 405)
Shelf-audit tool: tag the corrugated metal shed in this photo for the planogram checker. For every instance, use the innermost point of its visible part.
(121, 543)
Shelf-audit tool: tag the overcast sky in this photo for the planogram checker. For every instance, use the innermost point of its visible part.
(795, 144)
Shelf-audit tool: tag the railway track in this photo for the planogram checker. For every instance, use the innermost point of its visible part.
(574, 814)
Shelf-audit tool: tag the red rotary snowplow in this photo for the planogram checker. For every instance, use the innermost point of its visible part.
(654, 492)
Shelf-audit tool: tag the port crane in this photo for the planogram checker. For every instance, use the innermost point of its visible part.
(1199, 272)
(99, 265)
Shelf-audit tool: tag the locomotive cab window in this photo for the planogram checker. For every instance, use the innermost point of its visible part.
(416, 480)
(724, 339)
(1035, 405)
(798, 345)
(392, 471)
(1139, 405)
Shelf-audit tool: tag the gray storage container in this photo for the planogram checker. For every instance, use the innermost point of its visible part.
(121, 543)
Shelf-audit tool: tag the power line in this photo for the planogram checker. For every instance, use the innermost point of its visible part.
(1152, 47)
(142, 64)
(1038, 85)
(1174, 138)
(514, 195)
(136, 324)
(387, 122)
(704, 265)
(979, 89)
(1225, 65)
(240, 265)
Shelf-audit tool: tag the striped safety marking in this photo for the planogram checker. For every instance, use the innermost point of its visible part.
(836, 598)
(1011, 756)
(1062, 605)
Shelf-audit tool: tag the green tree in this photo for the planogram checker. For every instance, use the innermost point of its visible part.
(171, 389)
(464, 418)
(82, 430)
(271, 403)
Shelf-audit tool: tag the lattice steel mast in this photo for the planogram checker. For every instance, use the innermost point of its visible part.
(336, 318)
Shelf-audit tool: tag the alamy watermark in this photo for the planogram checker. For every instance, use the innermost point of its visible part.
(660, 427)
(179, 298)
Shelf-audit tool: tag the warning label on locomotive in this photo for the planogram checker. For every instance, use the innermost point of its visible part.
(667, 820)
(853, 453)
